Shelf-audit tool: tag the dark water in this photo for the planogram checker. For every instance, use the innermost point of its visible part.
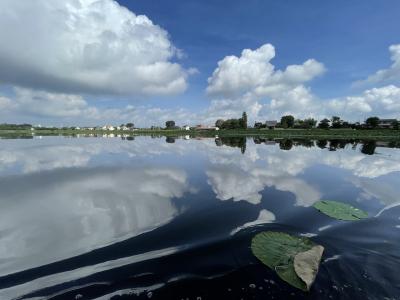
(169, 218)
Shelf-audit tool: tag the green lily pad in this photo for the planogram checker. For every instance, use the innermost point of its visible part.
(340, 211)
(278, 250)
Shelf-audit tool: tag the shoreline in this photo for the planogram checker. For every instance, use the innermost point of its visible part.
(385, 134)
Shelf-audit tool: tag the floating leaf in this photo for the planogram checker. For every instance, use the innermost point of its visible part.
(277, 250)
(306, 264)
(340, 211)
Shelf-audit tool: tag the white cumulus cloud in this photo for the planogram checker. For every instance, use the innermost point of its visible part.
(383, 102)
(252, 83)
(86, 46)
(253, 72)
(385, 76)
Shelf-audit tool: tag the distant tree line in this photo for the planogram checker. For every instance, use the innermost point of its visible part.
(240, 123)
(335, 122)
(15, 126)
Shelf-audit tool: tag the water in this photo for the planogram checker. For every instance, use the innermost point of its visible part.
(172, 218)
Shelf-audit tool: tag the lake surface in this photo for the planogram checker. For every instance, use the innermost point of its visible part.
(173, 218)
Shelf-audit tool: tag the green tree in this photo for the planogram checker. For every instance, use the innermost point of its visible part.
(130, 125)
(258, 125)
(395, 124)
(170, 124)
(336, 122)
(287, 121)
(219, 123)
(243, 120)
(372, 122)
(324, 124)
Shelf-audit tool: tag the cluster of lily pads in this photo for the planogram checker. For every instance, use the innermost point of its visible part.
(296, 259)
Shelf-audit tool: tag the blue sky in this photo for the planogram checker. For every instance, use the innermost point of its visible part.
(351, 39)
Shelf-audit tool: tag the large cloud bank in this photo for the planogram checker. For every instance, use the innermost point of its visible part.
(86, 46)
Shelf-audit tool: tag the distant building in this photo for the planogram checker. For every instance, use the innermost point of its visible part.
(271, 124)
(186, 127)
(386, 123)
(108, 127)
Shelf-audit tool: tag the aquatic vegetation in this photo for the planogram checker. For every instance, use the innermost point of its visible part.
(295, 259)
(340, 211)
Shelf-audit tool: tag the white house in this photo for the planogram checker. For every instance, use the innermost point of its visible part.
(186, 127)
(108, 127)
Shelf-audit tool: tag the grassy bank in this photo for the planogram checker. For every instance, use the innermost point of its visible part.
(386, 134)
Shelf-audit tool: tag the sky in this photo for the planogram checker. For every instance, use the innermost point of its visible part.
(94, 62)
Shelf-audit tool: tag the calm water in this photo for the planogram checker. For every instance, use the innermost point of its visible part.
(165, 218)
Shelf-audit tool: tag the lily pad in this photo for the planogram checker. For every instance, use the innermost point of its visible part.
(340, 211)
(278, 250)
(306, 264)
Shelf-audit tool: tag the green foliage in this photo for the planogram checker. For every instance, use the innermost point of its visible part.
(233, 123)
(287, 121)
(340, 211)
(278, 250)
(130, 125)
(336, 122)
(324, 124)
(170, 124)
(372, 122)
(219, 123)
(305, 124)
(15, 126)
(243, 120)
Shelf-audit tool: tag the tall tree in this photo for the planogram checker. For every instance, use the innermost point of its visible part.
(244, 120)
(372, 122)
(170, 124)
(219, 123)
(324, 124)
(287, 121)
(336, 122)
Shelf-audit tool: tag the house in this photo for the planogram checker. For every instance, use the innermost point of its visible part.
(386, 123)
(108, 127)
(186, 127)
(271, 124)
